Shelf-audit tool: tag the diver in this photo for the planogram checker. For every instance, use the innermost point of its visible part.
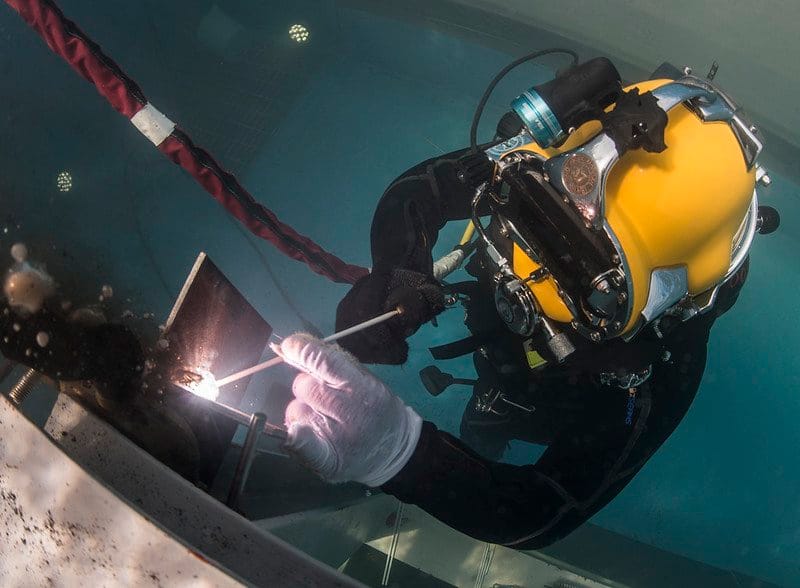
(615, 243)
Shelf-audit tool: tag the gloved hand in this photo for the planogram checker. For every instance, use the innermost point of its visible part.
(344, 423)
(419, 296)
(473, 169)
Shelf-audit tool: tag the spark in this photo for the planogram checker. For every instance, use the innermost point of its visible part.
(199, 382)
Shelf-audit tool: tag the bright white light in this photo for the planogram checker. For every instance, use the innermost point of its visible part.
(64, 181)
(298, 33)
(204, 385)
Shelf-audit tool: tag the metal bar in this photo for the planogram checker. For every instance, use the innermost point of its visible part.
(387, 570)
(464, 381)
(485, 565)
(257, 422)
(243, 418)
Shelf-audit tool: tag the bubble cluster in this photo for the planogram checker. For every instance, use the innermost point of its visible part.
(298, 33)
(64, 181)
(87, 317)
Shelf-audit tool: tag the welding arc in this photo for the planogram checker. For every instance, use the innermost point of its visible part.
(276, 360)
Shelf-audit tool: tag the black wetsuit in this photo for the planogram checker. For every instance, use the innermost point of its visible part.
(598, 436)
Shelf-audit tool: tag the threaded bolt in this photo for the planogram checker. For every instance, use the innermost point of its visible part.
(23, 386)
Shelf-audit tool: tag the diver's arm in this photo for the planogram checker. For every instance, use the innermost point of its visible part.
(528, 507)
(404, 230)
(417, 205)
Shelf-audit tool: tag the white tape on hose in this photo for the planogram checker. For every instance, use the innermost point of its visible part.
(153, 124)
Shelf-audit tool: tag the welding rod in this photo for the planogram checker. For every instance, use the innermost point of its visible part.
(276, 360)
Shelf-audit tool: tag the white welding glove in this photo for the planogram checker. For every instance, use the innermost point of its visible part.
(344, 423)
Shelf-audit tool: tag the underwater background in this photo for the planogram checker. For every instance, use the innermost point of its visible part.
(317, 129)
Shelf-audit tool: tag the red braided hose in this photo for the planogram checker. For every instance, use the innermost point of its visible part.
(87, 58)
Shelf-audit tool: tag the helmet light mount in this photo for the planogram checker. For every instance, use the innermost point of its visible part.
(550, 110)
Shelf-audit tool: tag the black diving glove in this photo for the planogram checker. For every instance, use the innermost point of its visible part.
(473, 169)
(419, 297)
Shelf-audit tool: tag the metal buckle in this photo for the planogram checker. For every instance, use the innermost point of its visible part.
(627, 380)
(486, 402)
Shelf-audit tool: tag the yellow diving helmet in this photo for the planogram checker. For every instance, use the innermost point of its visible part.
(614, 207)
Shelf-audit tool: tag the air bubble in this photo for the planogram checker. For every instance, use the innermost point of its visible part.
(42, 339)
(88, 317)
(19, 252)
(27, 289)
